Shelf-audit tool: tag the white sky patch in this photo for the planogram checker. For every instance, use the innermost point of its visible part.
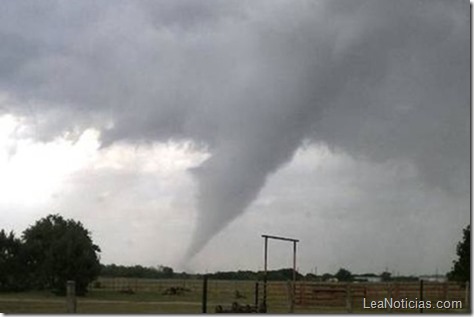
(143, 191)
(37, 178)
(33, 171)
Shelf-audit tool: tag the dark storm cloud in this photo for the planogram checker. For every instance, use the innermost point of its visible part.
(250, 82)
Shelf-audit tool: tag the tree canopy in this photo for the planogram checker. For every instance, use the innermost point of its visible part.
(60, 250)
(386, 276)
(12, 263)
(49, 253)
(461, 270)
(343, 275)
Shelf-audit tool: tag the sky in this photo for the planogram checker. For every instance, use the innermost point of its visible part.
(178, 132)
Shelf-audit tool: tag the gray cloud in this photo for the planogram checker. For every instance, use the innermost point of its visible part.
(250, 82)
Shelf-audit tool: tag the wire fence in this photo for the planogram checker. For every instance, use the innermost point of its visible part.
(308, 296)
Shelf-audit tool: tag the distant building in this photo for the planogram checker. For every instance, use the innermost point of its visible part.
(367, 278)
(374, 279)
(433, 278)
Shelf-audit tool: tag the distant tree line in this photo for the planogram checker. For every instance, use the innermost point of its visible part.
(272, 275)
(138, 271)
(285, 274)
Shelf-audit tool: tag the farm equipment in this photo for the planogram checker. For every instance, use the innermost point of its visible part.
(237, 308)
(176, 291)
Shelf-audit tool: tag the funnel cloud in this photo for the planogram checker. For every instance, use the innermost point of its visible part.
(249, 82)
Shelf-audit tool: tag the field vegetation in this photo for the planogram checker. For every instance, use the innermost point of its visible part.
(136, 295)
(34, 270)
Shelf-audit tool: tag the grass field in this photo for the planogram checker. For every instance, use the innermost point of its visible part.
(117, 296)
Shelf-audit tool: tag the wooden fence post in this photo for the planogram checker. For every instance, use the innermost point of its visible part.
(445, 290)
(389, 295)
(256, 295)
(421, 295)
(302, 293)
(291, 296)
(204, 295)
(466, 300)
(348, 298)
(71, 297)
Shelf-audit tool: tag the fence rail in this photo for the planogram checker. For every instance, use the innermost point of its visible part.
(309, 296)
(352, 294)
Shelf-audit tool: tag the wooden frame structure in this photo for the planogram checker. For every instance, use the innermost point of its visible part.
(265, 263)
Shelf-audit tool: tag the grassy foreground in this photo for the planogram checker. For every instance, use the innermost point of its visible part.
(156, 302)
(100, 302)
(97, 303)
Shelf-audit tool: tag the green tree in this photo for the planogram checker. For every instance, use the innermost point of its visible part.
(60, 250)
(461, 270)
(327, 276)
(12, 263)
(343, 275)
(166, 271)
(386, 276)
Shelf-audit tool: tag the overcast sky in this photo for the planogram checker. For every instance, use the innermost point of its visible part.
(180, 131)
